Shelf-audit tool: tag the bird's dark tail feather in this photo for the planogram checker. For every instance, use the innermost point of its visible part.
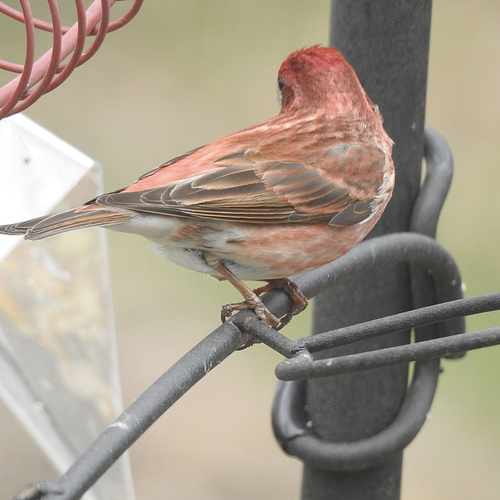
(61, 222)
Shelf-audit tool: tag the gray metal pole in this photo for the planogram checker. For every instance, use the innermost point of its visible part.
(387, 43)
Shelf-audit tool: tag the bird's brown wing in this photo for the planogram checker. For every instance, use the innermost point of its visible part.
(244, 187)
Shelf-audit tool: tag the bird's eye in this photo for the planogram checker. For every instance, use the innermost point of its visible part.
(281, 84)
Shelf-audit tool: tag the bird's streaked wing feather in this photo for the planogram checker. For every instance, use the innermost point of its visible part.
(244, 187)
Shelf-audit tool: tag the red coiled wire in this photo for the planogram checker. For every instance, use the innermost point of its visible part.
(39, 76)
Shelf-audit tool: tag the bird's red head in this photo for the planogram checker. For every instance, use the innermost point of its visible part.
(318, 77)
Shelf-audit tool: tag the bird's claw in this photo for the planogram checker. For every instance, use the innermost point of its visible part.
(256, 305)
(299, 300)
(254, 302)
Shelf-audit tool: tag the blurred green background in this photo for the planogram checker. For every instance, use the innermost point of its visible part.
(183, 74)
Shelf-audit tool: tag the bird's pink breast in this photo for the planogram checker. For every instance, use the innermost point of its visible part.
(279, 251)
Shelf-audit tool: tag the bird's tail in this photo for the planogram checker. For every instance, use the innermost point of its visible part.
(61, 222)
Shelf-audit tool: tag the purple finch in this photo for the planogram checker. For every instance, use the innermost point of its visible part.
(278, 198)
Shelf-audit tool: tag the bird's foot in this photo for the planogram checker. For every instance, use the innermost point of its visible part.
(252, 297)
(299, 300)
(254, 302)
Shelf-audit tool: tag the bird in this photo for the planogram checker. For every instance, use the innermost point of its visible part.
(281, 197)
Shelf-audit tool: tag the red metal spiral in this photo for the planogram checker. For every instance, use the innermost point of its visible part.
(39, 76)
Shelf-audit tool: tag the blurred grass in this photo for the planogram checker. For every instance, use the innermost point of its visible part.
(185, 73)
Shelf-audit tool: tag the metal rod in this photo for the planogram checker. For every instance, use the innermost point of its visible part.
(387, 44)
(303, 367)
(139, 416)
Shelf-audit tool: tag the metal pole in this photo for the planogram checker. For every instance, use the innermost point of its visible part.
(387, 43)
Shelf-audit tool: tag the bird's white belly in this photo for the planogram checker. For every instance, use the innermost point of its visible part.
(184, 242)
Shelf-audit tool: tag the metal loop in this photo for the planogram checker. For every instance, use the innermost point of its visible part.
(290, 421)
(297, 438)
